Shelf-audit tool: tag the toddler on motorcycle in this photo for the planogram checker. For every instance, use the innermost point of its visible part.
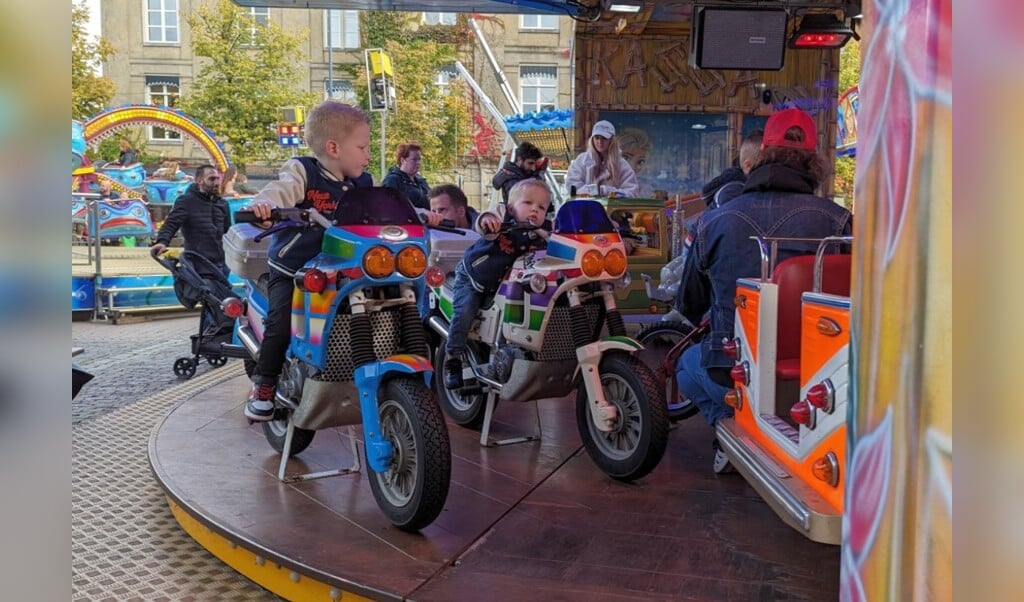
(481, 271)
(339, 137)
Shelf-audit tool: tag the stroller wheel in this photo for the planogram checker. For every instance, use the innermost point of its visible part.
(217, 361)
(184, 368)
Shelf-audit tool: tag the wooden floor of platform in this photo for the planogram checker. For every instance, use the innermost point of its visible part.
(527, 521)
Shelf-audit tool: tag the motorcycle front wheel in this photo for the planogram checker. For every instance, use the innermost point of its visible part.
(413, 490)
(637, 442)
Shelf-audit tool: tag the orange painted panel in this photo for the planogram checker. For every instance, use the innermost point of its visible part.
(817, 349)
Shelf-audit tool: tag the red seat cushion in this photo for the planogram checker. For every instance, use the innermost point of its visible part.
(795, 276)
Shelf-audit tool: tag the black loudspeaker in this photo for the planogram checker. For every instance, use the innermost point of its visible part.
(735, 38)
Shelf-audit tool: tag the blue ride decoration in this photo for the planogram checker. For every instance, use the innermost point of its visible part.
(118, 218)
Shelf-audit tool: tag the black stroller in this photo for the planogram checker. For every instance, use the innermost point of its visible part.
(198, 281)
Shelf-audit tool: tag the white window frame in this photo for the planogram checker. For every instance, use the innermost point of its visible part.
(346, 33)
(168, 98)
(537, 22)
(157, 18)
(261, 16)
(437, 18)
(539, 84)
(344, 91)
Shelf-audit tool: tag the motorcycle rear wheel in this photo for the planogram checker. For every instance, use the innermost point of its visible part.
(464, 410)
(276, 431)
(638, 440)
(658, 339)
(413, 490)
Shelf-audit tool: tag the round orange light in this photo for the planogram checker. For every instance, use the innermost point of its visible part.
(615, 263)
(379, 262)
(734, 399)
(435, 276)
(411, 262)
(592, 263)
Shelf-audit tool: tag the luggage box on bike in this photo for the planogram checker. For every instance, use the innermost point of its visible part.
(448, 248)
(246, 257)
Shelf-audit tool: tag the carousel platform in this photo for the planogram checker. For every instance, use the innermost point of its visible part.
(527, 521)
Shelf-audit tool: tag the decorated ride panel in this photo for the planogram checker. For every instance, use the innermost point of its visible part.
(118, 218)
(130, 176)
(165, 192)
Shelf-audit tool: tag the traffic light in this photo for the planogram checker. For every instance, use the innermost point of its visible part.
(289, 135)
(380, 79)
(379, 94)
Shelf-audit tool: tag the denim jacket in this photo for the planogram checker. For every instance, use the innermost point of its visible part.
(777, 201)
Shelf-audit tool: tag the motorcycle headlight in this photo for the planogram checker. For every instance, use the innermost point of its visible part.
(538, 283)
(592, 263)
(379, 262)
(411, 262)
(615, 262)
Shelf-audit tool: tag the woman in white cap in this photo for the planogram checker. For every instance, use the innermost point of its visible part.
(601, 170)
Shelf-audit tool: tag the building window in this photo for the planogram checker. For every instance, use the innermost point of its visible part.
(538, 22)
(538, 88)
(439, 18)
(162, 21)
(162, 90)
(444, 78)
(342, 27)
(261, 18)
(340, 90)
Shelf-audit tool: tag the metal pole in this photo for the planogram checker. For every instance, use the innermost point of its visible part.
(506, 88)
(383, 137)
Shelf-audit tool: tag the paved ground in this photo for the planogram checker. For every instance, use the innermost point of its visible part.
(125, 545)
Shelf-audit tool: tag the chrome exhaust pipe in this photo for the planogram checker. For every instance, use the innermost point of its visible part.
(248, 339)
(438, 325)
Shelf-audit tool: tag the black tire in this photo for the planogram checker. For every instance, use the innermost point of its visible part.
(637, 442)
(413, 490)
(184, 368)
(464, 410)
(250, 367)
(276, 430)
(658, 339)
(217, 362)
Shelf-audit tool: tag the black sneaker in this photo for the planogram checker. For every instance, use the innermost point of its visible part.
(453, 373)
(721, 463)
(260, 407)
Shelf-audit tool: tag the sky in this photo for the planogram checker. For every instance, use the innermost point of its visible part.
(94, 17)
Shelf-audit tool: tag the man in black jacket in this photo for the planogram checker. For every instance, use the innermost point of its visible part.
(529, 163)
(202, 216)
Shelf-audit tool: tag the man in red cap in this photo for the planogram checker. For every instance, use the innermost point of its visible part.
(778, 201)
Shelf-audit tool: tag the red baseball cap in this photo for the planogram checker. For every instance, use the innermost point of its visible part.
(780, 122)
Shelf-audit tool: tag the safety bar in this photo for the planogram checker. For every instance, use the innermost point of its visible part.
(770, 255)
(819, 256)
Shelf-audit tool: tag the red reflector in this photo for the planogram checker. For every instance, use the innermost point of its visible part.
(314, 281)
(802, 413)
(434, 276)
(739, 374)
(818, 396)
(232, 307)
(820, 40)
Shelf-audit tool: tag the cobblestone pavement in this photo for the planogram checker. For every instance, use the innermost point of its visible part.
(125, 544)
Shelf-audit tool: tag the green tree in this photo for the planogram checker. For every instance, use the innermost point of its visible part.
(436, 119)
(90, 92)
(849, 75)
(251, 71)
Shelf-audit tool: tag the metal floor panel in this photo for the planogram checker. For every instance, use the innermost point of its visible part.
(125, 543)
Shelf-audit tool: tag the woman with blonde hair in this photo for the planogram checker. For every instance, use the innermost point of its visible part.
(601, 170)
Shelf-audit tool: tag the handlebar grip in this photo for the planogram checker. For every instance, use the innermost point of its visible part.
(246, 216)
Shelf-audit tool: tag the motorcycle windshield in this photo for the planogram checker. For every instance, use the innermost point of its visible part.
(582, 217)
(375, 206)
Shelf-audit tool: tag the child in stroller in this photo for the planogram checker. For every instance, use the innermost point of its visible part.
(197, 280)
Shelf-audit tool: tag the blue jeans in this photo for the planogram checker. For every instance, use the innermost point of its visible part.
(696, 384)
(465, 304)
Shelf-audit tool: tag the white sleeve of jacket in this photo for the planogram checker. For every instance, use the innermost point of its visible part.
(577, 173)
(288, 189)
(629, 187)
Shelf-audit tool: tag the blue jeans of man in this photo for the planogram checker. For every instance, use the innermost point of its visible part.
(695, 382)
(465, 304)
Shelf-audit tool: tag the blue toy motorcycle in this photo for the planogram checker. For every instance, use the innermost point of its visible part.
(358, 352)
